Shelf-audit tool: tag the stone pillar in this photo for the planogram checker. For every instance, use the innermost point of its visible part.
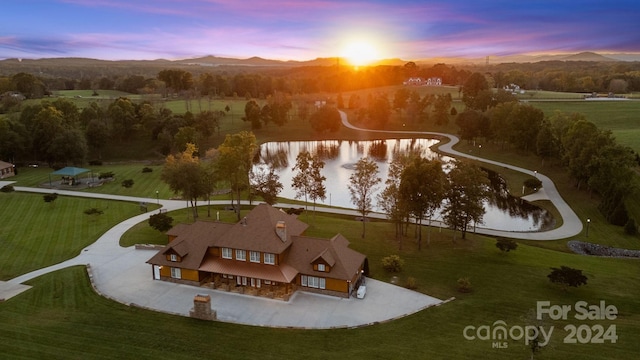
(202, 308)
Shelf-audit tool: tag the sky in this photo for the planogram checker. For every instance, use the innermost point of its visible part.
(308, 29)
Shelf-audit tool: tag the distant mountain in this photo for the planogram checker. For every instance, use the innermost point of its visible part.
(587, 56)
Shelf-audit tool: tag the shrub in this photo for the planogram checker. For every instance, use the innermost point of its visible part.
(506, 245)
(106, 175)
(93, 211)
(293, 211)
(147, 170)
(411, 284)
(566, 276)
(464, 285)
(533, 183)
(127, 183)
(49, 198)
(161, 222)
(7, 189)
(392, 263)
(95, 162)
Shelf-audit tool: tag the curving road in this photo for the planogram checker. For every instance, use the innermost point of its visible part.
(571, 225)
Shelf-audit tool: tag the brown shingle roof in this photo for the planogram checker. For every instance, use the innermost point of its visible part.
(283, 273)
(257, 231)
(306, 249)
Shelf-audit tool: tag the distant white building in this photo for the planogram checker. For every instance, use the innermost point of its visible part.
(414, 81)
(434, 81)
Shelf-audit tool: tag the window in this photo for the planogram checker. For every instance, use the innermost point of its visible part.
(321, 267)
(241, 255)
(173, 257)
(226, 253)
(176, 273)
(313, 282)
(254, 256)
(269, 259)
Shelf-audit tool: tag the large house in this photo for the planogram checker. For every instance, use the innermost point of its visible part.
(264, 254)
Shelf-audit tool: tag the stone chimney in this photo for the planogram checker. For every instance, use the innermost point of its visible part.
(202, 308)
(281, 230)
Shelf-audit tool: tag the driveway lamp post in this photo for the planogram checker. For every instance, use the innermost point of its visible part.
(588, 222)
(157, 197)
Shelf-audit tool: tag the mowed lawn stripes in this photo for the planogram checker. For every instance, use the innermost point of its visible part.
(35, 234)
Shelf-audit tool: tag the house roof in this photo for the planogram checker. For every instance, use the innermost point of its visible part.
(4, 165)
(257, 231)
(279, 273)
(305, 250)
(70, 171)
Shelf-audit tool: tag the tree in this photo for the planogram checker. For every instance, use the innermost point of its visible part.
(362, 184)
(252, 113)
(422, 197)
(234, 161)
(327, 118)
(185, 175)
(265, 183)
(506, 245)
(465, 195)
(161, 222)
(390, 200)
(308, 181)
(472, 91)
(97, 134)
(566, 276)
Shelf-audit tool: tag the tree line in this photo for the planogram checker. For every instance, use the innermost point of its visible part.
(592, 157)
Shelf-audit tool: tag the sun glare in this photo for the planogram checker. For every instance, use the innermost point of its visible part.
(360, 52)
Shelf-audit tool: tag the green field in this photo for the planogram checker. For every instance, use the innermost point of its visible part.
(47, 318)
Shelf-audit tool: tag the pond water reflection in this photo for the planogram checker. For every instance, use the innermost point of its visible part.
(504, 212)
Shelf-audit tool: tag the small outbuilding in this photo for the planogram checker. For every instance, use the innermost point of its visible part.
(70, 175)
(6, 169)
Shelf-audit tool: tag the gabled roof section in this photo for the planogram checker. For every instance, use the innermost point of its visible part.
(191, 243)
(257, 231)
(305, 250)
(326, 257)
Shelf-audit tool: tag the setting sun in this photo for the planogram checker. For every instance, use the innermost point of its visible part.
(360, 52)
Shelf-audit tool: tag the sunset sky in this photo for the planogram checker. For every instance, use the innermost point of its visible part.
(305, 30)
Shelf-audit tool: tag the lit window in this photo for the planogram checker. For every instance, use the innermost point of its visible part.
(176, 273)
(241, 255)
(254, 256)
(269, 259)
(321, 267)
(226, 253)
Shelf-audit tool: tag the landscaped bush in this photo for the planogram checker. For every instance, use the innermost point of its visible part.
(464, 285)
(93, 211)
(161, 222)
(127, 183)
(147, 170)
(506, 245)
(533, 183)
(566, 276)
(7, 189)
(106, 175)
(412, 283)
(392, 263)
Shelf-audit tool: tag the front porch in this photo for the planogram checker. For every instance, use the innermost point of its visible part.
(251, 286)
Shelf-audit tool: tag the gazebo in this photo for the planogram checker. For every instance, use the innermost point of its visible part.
(69, 175)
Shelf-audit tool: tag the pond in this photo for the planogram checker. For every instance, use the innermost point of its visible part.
(503, 211)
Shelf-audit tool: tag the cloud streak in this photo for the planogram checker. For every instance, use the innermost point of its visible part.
(302, 30)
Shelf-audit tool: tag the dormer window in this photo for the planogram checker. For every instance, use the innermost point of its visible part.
(254, 256)
(226, 253)
(241, 255)
(321, 267)
(173, 257)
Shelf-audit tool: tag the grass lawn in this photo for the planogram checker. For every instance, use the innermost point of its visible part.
(47, 318)
(35, 234)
